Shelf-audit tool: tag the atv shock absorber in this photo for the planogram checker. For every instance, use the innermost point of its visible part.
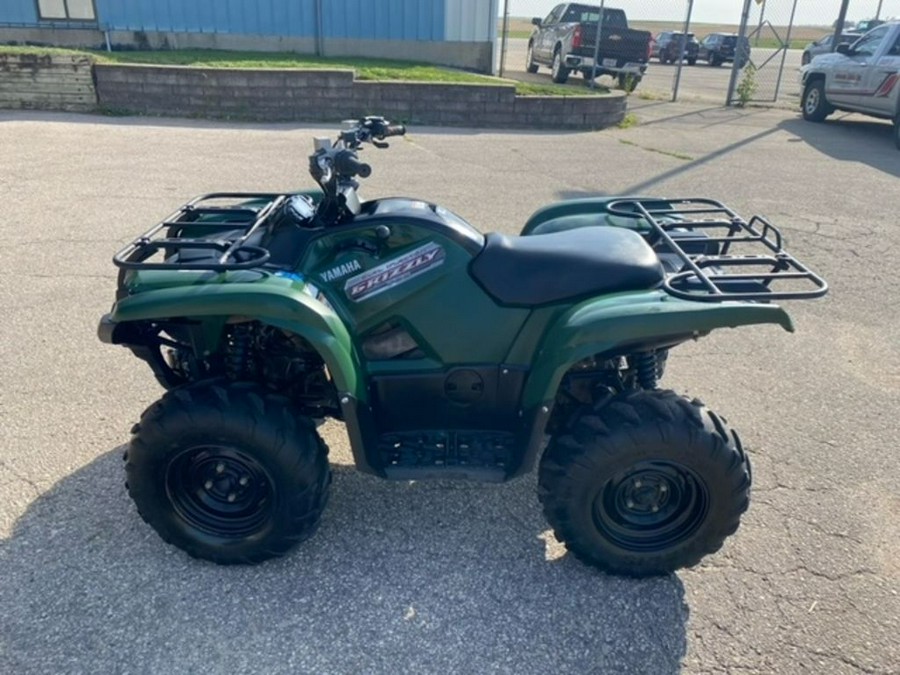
(647, 369)
(237, 358)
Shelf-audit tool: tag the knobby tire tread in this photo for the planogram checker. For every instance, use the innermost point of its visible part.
(596, 440)
(299, 451)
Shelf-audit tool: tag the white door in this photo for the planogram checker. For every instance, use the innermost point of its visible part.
(853, 83)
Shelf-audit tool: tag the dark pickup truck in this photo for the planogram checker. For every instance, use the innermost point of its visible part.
(567, 39)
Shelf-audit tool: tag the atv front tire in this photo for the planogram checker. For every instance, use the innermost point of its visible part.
(645, 485)
(228, 472)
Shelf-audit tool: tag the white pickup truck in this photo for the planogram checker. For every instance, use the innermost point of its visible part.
(861, 77)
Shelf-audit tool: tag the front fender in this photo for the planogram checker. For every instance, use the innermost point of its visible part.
(271, 300)
(632, 322)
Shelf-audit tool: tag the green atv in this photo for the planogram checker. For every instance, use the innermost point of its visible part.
(448, 354)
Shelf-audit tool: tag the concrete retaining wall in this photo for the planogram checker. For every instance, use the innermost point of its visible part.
(32, 82)
(66, 83)
(334, 95)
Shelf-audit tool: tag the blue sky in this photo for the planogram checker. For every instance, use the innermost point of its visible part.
(809, 12)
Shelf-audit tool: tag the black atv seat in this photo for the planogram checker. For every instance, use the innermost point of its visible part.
(547, 268)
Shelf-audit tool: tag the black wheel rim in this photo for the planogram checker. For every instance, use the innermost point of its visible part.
(220, 491)
(651, 506)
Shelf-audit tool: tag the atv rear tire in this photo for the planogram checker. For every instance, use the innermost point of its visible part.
(645, 485)
(228, 472)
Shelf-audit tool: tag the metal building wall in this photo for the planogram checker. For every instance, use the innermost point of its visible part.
(420, 20)
(470, 20)
(460, 33)
(18, 12)
(384, 19)
(295, 18)
(356, 19)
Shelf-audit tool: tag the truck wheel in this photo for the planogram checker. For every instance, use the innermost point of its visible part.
(815, 105)
(559, 72)
(692, 62)
(645, 485)
(228, 472)
(805, 59)
(530, 65)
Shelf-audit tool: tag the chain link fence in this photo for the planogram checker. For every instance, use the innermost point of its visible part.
(736, 52)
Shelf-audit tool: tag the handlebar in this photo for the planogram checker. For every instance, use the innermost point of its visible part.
(385, 130)
(345, 163)
(334, 165)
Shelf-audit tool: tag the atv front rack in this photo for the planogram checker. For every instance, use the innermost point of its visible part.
(207, 220)
(712, 254)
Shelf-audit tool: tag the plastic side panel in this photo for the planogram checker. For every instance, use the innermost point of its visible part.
(579, 213)
(269, 302)
(628, 321)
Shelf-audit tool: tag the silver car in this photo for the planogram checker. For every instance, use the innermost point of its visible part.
(823, 45)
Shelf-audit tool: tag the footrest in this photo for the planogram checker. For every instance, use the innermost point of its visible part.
(472, 455)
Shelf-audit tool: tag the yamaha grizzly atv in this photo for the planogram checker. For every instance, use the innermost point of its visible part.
(448, 354)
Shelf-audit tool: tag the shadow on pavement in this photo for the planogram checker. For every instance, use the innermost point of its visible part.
(401, 577)
(643, 186)
(851, 138)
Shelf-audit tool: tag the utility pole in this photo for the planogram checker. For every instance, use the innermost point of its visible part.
(878, 13)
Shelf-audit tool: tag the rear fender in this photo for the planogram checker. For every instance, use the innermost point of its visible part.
(271, 300)
(632, 322)
(576, 213)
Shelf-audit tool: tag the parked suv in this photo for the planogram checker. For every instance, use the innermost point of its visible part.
(667, 47)
(717, 48)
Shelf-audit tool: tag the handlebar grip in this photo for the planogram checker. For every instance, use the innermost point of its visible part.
(347, 164)
(394, 130)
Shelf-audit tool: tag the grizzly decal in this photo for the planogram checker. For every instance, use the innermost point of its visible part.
(395, 272)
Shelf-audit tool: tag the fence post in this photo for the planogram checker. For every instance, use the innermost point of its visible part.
(687, 27)
(597, 42)
(505, 37)
(742, 35)
(787, 39)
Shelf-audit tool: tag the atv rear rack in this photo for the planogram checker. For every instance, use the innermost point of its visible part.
(701, 240)
(214, 214)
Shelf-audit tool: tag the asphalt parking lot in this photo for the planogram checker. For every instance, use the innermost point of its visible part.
(455, 577)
